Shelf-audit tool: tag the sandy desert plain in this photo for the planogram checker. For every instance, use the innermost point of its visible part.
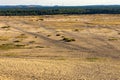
(60, 47)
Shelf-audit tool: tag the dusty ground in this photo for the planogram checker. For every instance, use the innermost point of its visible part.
(60, 47)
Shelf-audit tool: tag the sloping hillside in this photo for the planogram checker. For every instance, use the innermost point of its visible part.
(84, 47)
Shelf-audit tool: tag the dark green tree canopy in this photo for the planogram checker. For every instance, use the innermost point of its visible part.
(38, 10)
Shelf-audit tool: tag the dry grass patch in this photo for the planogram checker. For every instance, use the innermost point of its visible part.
(9, 55)
(92, 59)
(31, 42)
(113, 39)
(22, 36)
(39, 47)
(4, 38)
(8, 46)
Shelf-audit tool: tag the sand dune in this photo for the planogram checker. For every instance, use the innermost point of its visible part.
(59, 47)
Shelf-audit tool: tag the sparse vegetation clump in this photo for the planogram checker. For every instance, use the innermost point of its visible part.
(39, 47)
(48, 35)
(112, 39)
(76, 30)
(5, 27)
(35, 36)
(57, 34)
(41, 19)
(16, 41)
(19, 45)
(9, 55)
(31, 42)
(92, 59)
(22, 36)
(68, 39)
(8, 46)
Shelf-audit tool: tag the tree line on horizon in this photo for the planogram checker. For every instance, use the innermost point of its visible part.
(59, 10)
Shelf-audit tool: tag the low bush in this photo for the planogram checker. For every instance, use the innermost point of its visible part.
(57, 34)
(5, 27)
(68, 39)
(39, 47)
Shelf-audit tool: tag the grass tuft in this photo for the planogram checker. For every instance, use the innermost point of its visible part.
(11, 46)
(22, 36)
(113, 39)
(39, 47)
(92, 59)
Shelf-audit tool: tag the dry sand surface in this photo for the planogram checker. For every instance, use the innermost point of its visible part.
(60, 47)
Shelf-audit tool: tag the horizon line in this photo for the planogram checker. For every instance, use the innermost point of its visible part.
(60, 5)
